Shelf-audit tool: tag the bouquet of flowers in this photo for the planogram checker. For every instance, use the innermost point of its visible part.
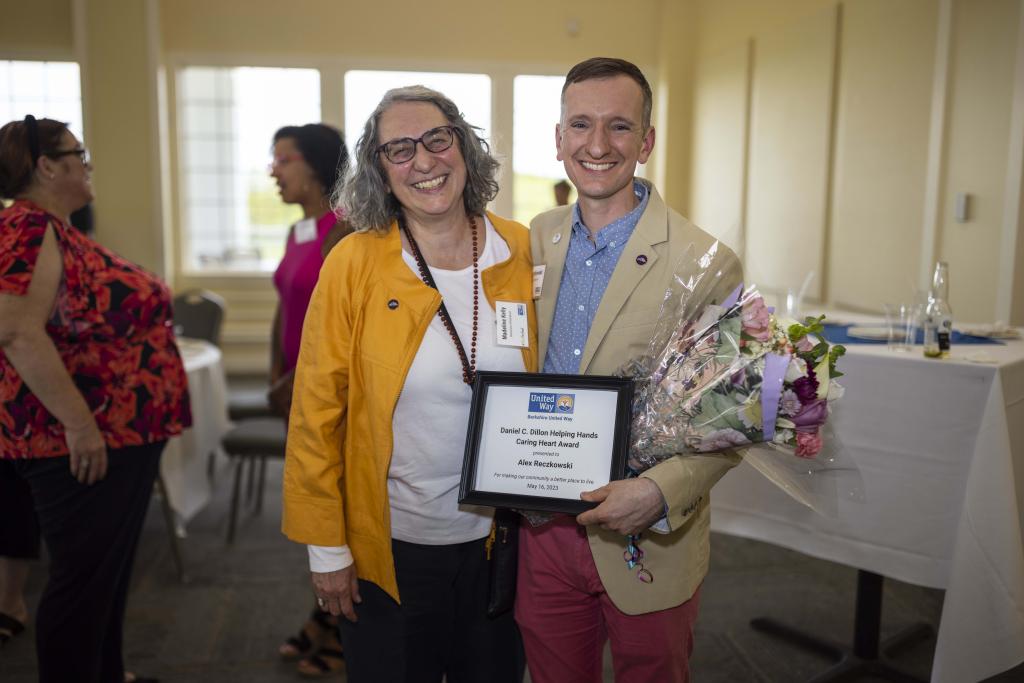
(734, 376)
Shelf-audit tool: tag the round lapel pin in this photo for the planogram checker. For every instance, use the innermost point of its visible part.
(557, 238)
(393, 304)
(641, 259)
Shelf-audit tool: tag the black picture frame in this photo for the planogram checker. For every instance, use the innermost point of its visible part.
(473, 492)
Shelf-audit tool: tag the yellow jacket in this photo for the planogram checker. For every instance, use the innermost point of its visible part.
(364, 326)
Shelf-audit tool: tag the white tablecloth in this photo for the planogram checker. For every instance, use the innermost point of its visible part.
(184, 465)
(940, 445)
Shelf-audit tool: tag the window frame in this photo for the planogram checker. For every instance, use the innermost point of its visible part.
(332, 105)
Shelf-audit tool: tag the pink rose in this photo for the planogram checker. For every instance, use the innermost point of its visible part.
(757, 319)
(808, 444)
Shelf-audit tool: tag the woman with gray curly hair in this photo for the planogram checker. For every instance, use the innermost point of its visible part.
(403, 316)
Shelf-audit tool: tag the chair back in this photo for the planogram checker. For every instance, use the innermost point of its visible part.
(199, 314)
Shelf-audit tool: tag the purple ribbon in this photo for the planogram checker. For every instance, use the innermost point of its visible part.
(775, 366)
(731, 300)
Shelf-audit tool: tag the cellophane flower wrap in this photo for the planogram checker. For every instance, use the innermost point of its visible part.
(732, 376)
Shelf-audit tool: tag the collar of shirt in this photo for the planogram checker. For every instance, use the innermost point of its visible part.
(619, 230)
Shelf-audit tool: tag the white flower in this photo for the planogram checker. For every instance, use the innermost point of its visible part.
(835, 390)
(797, 368)
(750, 413)
(783, 437)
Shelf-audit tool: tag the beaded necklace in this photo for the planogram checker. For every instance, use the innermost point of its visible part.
(468, 363)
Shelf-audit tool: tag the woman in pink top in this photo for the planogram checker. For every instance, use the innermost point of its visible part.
(308, 162)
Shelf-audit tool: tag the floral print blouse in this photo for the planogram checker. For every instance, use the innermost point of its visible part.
(112, 326)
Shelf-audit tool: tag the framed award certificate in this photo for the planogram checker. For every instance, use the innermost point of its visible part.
(536, 442)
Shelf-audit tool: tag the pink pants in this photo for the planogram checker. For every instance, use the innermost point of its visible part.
(565, 616)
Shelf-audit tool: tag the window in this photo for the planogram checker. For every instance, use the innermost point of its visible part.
(471, 93)
(44, 89)
(536, 110)
(233, 218)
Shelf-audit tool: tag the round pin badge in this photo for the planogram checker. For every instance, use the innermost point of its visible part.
(641, 259)
(557, 238)
(393, 304)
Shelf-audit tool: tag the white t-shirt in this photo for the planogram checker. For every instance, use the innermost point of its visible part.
(431, 418)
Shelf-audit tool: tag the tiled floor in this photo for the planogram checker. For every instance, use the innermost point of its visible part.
(225, 623)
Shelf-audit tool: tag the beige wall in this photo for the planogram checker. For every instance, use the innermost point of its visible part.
(720, 144)
(882, 125)
(121, 126)
(527, 31)
(921, 113)
(670, 166)
(38, 27)
(790, 147)
(981, 94)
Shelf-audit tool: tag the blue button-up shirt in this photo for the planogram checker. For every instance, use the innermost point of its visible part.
(588, 269)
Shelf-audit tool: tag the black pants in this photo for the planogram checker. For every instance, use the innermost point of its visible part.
(440, 629)
(91, 533)
(19, 529)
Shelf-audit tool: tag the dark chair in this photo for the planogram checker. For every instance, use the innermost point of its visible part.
(252, 440)
(198, 314)
(247, 397)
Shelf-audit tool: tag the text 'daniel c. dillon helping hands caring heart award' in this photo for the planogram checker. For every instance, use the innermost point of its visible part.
(536, 442)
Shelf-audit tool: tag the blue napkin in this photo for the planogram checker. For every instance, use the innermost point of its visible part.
(840, 334)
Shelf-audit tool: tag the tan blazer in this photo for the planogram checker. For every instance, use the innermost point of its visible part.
(622, 329)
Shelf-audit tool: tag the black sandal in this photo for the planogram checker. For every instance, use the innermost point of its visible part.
(309, 637)
(322, 663)
(9, 627)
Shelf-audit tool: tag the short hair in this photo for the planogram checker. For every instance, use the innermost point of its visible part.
(323, 148)
(18, 155)
(364, 197)
(610, 67)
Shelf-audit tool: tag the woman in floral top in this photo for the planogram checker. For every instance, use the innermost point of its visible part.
(91, 388)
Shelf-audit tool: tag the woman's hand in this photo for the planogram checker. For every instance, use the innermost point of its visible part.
(88, 453)
(337, 591)
(280, 394)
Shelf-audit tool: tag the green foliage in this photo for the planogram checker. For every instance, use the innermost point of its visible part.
(724, 409)
(815, 326)
(730, 329)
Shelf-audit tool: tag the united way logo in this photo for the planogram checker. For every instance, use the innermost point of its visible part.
(543, 402)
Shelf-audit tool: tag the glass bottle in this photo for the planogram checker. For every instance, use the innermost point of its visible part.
(938, 318)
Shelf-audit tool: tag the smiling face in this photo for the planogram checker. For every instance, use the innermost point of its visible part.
(429, 186)
(296, 181)
(601, 139)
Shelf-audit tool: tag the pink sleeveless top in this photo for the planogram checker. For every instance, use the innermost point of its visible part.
(295, 279)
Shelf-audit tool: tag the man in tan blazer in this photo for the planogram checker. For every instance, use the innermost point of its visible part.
(603, 266)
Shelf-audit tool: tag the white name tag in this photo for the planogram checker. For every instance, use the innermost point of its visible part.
(511, 325)
(538, 280)
(305, 231)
